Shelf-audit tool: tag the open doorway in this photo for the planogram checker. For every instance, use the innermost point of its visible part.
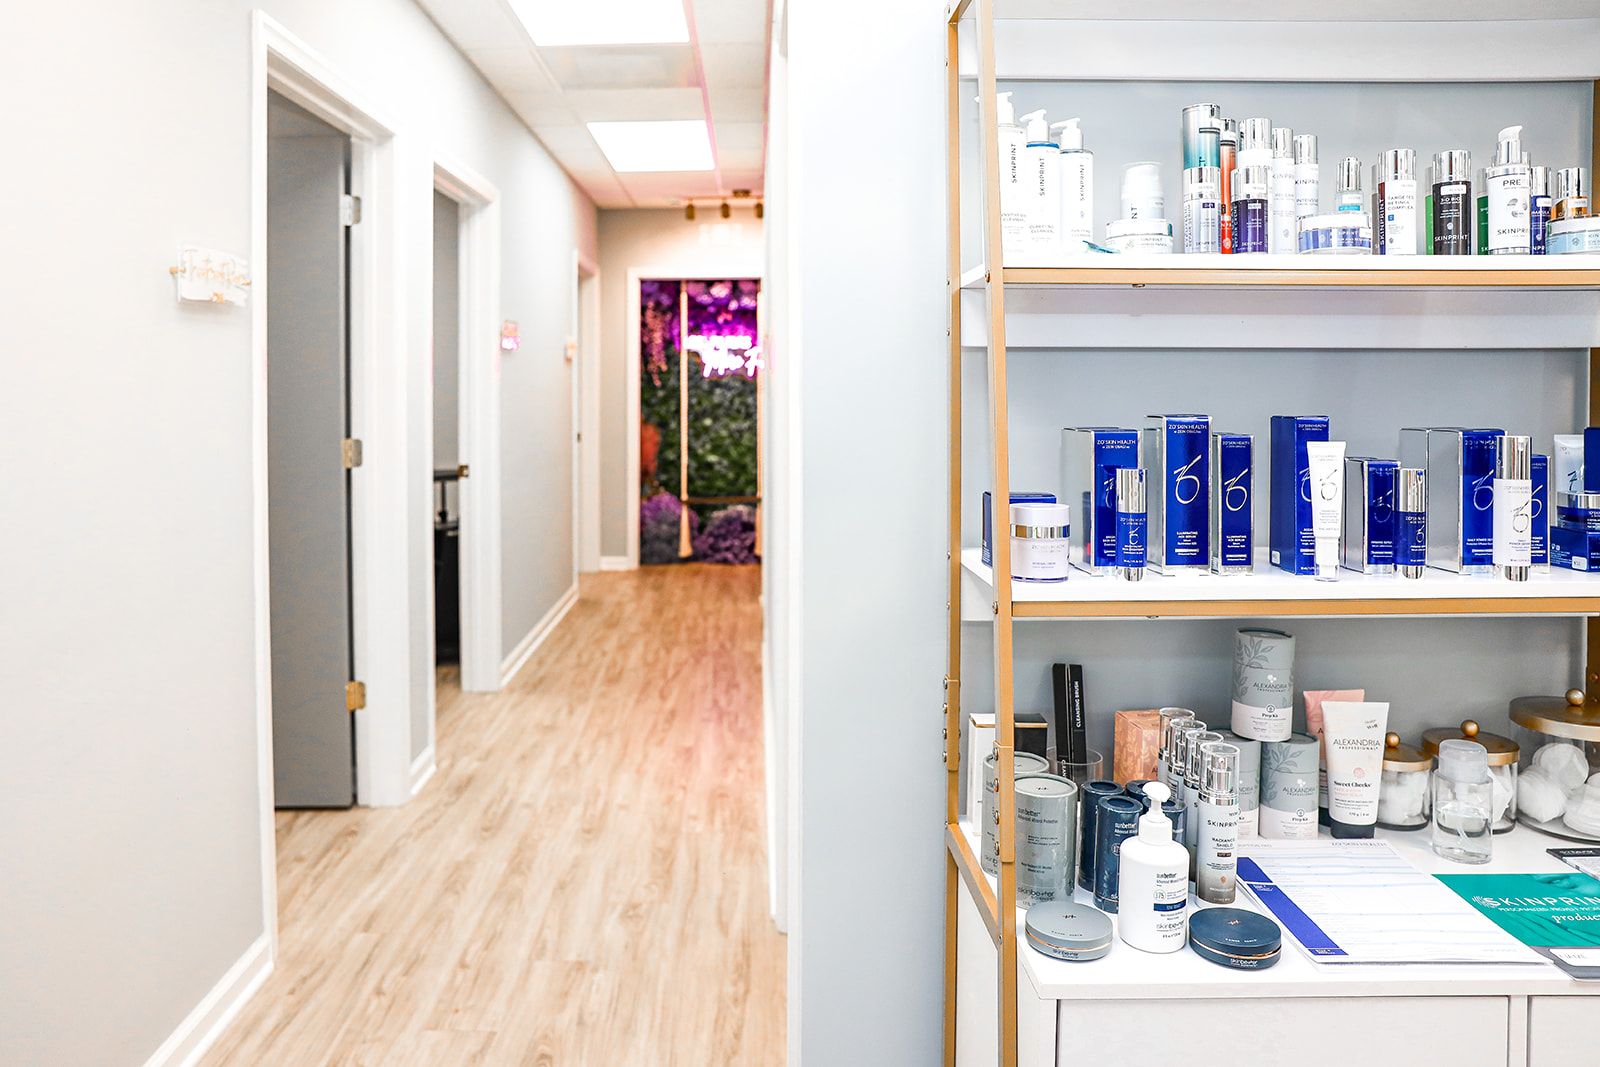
(448, 468)
(310, 455)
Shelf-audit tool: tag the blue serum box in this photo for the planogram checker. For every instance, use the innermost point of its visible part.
(1591, 471)
(1460, 470)
(1090, 458)
(1178, 451)
(1289, 538)
(1369, 515)
(1540, 469)
(1019, 497)
(1232, 503)
(1575, 549)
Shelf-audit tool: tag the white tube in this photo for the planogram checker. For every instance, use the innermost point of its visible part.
(1352, 736)
(1325, 461)
(1568, 475)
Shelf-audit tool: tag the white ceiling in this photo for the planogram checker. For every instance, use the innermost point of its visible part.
(719, 76)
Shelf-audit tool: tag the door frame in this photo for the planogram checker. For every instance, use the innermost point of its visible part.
(381, 615)
(586, 416)
(477, 428)
(636, 275)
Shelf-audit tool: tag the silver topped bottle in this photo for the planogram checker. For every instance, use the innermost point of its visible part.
(1216, 853)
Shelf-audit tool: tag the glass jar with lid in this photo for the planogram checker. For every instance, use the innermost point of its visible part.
(1503, 758)
(1403, 800)
(1560, 741)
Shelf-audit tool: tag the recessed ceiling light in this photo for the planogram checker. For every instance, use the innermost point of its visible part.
(649, 147)
(554, 23)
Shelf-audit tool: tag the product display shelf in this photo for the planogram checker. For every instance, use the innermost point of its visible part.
(1270, 591)
(1477, 1013)
(1129, 974)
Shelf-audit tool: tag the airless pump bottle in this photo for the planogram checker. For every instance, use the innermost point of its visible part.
(1307, 179)
(1513, 506)
(1395, 203)
(1285, 233)
(1508, 187)
(1216, 856)
(1153, 886)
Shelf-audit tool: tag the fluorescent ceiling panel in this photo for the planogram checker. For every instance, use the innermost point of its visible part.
(654, 147)
(554, 23)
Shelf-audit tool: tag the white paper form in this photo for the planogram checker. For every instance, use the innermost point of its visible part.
(1358, 901)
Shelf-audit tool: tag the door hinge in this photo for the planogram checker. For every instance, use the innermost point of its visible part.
(355, 696)
(351, 447)
(349, 209)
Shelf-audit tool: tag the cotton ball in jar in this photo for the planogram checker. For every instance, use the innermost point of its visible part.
(1403, 798)
(1541, 798)
(1564, 763)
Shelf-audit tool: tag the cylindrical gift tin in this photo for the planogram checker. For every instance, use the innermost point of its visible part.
(1021, 763)
(1288, 808)
(1047, 818)
(1118, 820)
(1263, 684)
(1088, 824)
(1249, 781)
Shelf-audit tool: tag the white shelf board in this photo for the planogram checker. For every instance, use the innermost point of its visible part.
(1129, 974)
(1270, 587)
(1259, 265)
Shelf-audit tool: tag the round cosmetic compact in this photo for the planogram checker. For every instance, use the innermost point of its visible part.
(1504, 754)
(1234, 937)
(1403, 792)
(1064, 930)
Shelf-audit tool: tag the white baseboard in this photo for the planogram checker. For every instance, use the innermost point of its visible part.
(422, 769)
(615, 563)
(535, 637)
(201, 1028)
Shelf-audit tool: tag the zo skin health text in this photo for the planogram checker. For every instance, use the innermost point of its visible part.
(1459, 465)
(1411, 522)
(1090, 458)
(1290, 540)
(1541, 510)
(1513, 507)
(1177, 454)
(1326, 465)
(1369, 514)
(1232, 503)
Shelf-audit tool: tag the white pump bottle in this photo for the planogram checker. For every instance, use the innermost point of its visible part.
(1013, 206)
(1153, 882)
(1076, 166)
(1041, 193)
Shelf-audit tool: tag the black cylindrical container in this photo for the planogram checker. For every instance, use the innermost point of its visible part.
(1117, 821)
(1453, 205)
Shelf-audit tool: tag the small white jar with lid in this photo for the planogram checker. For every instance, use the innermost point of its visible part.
(1040, 547)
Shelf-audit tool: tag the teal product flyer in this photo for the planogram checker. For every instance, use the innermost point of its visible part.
(1557, 915)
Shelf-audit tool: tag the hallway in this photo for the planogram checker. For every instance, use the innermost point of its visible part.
(582, 882)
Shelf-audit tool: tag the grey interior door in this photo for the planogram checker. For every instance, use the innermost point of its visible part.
(309, 486)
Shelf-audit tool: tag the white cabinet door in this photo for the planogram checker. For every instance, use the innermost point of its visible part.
(1563, 1031)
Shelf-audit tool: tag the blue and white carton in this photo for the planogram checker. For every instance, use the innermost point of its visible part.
(1291, 543)
(1177, 451)
(1090, 458)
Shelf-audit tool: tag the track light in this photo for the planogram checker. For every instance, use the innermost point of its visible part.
(727, 212)
(688, 212)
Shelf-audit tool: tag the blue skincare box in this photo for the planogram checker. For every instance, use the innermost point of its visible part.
(1177, 449)
(1540, 475)
(1460, 470)
(988, 517)
(1591, 448)
(1369, 515)
(1090, 457)
(1574, 549)
(1232, 503)
(1290, 541)
(1578, 511)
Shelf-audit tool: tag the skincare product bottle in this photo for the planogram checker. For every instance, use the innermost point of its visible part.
(1513, 506)
(1169, 718)
(1326, 466)
(1249, 783)
(1013, 205)
(1176, 450)
(1040, 549)
(1539, 203)
(1352, 736)
(1232, 503)
(1153, 894)
(1307, 180)
(1218, 815)
(1075, 165)
(1411, 522)
(1507, 188)
(1117, 822)
(1395, 203)
(1450, 205)
(1255, 144)
(1251, 208)
(1350, 198)
(1568, 474)
(1463, 799)
(1202, 136)
(1230, 161)
(1193, 775)
(1131, 520)
(1570, 195)
(1041, 192)
(1202, 209)
(1142, 199)
(1284, 234)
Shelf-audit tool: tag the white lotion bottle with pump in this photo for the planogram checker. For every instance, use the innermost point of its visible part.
(1041, 178)
(1076, 166)
(1013, 211)
(1153, 882)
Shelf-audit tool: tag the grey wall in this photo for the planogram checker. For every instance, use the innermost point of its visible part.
(667, 245)
(132, 829)
(867, 301)
(446, 329)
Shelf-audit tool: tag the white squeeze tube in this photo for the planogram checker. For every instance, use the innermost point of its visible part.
(1325, 460)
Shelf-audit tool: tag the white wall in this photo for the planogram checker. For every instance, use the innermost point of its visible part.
(132, 829)
(665, 242)
(867, 341)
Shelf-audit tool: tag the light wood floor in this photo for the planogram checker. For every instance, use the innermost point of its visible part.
(583, 881)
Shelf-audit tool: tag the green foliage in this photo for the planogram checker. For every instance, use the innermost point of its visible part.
(659, 407)
(722, 435)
